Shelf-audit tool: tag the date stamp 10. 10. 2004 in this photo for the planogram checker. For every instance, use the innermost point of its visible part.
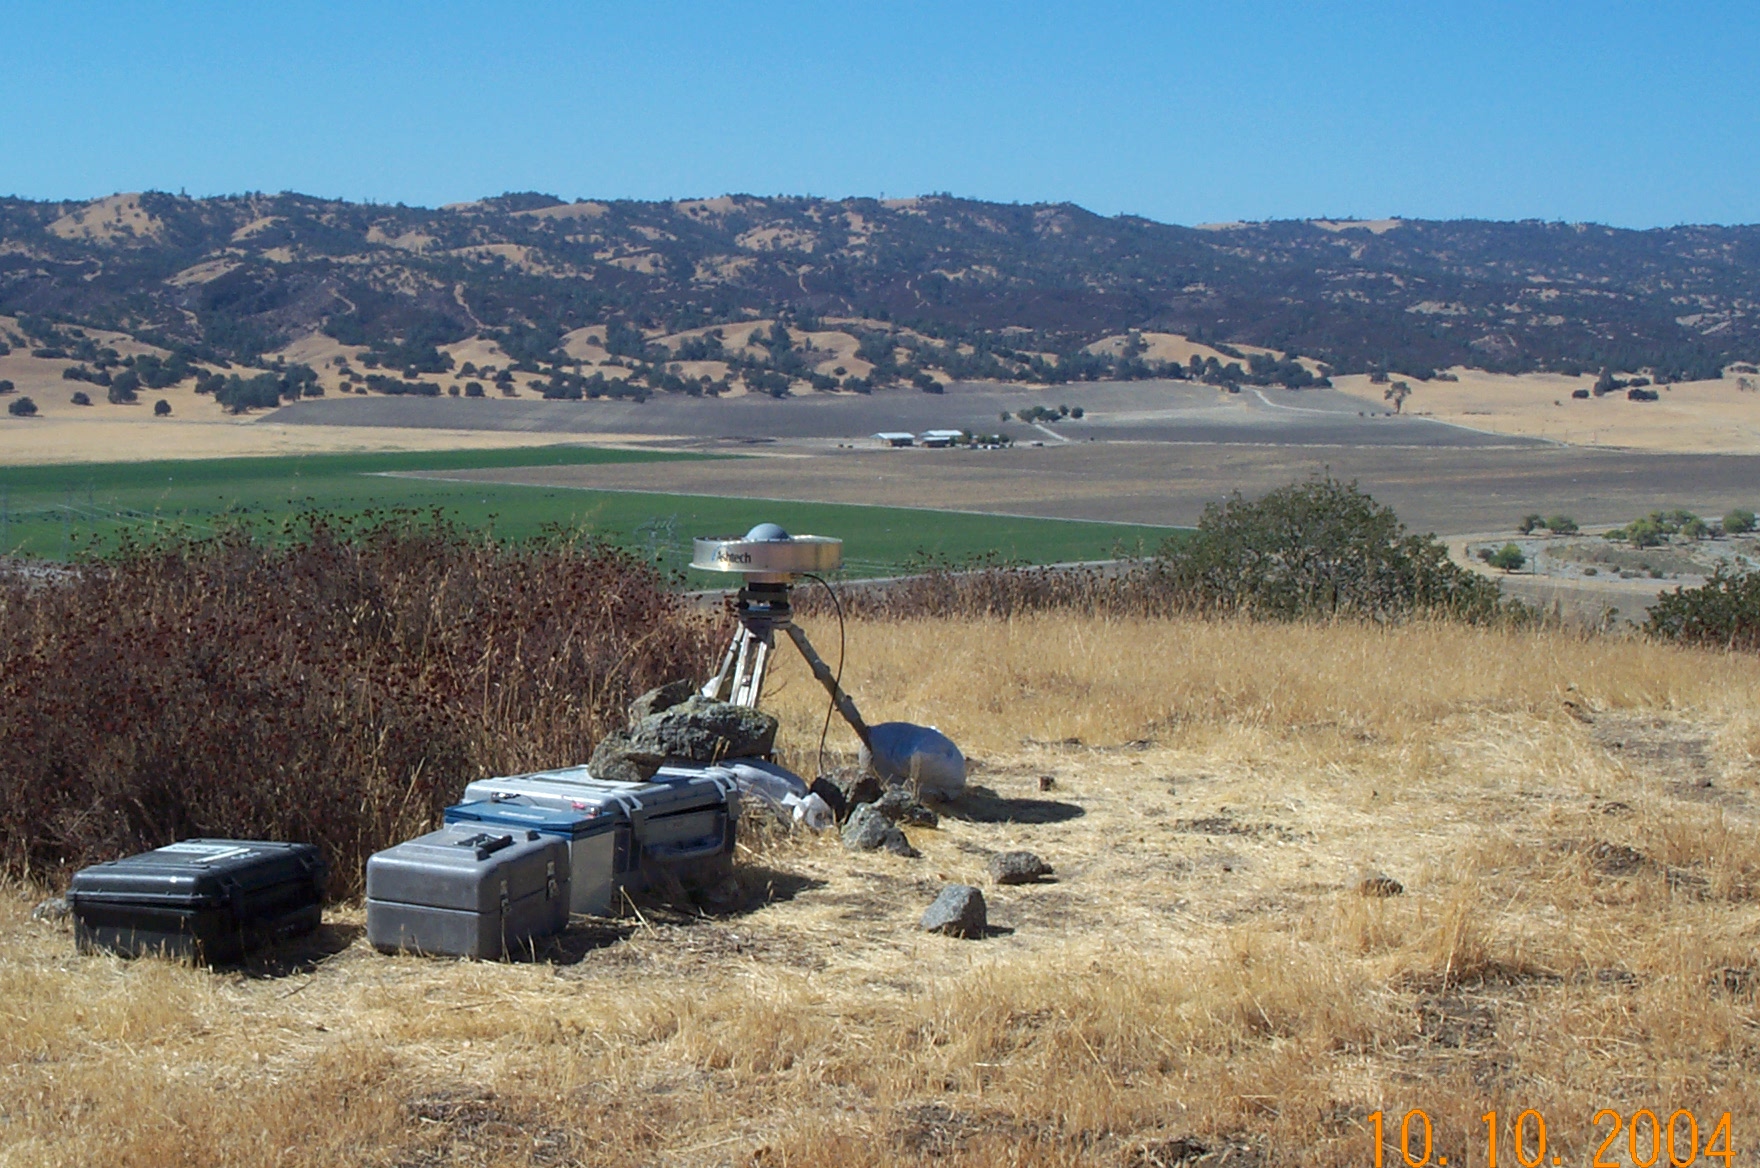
(1639, 1139)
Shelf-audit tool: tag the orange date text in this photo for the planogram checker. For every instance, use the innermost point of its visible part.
(1643, 1139)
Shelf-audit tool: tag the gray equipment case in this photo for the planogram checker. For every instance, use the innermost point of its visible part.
(467, 891)
(598, 844)
(680, 827)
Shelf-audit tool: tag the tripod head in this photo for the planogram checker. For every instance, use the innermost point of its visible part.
(768, 555)
(769, 560)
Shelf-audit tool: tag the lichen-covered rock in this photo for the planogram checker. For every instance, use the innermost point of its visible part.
(697, 729)
(660, 699)
(616, 758)
(701, 729)
(1018, 868)
(958, 912)
(868, 831)
(901, 807)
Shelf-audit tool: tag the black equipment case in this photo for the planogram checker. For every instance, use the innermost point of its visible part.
(208, 900)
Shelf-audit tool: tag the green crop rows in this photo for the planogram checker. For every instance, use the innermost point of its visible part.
(58, 512)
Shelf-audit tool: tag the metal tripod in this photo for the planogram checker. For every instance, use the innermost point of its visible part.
(761, 609)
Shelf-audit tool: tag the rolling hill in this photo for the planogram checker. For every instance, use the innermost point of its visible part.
(970, 289)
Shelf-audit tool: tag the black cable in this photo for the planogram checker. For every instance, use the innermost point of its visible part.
(837, 683)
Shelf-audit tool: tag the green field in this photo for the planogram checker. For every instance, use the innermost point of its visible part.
(60, 512)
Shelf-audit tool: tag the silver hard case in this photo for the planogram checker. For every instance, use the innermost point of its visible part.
(465, 891)
(682, 826)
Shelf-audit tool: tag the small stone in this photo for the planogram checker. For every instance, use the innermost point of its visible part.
(54, 911)
(868, 830)
(1378, 884)
(660, 699)
(1047, 783)
(899, 806)
(899, 845)
(865, 829)
(1018, 868)
(957, 912)
(858, 784)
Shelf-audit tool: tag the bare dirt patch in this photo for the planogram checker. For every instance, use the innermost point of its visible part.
(1442, 490)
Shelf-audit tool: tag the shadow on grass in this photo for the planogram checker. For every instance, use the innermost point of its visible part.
(749, 889)
(982, 805)
(583, 937)
(302, 954)
(760, 885)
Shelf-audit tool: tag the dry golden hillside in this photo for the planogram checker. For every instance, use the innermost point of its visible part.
(1214, 977)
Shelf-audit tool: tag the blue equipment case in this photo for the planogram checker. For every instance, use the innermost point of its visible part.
(681, 826)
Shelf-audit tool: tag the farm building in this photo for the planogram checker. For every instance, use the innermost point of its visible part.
(895, 438)
(940, 438)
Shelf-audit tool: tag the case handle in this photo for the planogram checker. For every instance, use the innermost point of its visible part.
(486, 845)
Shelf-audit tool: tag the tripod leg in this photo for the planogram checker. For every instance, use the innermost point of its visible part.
(845, 706)
(723, 677)
(750, 686)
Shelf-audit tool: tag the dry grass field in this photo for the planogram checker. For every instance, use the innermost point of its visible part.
(197, 426)
(1572, 820)
(1692, 417)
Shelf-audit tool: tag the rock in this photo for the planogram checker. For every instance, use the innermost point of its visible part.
(899, 845)
(1379, 884)
(1018, 868)
(833, 796)
(697, 729)
(865, 829)
(858, 785)
(659, 700)
(55, 910)
(701, 729)
(616, 758)
(868, 831)
(1174, 1153)
(1047, 783)
(957, 912)
(899, 806)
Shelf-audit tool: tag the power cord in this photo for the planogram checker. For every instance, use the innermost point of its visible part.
(837, 684)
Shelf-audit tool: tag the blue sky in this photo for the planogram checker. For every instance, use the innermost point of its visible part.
(1634, 114)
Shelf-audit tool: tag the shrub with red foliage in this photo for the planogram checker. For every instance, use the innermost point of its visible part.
(339, 688)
